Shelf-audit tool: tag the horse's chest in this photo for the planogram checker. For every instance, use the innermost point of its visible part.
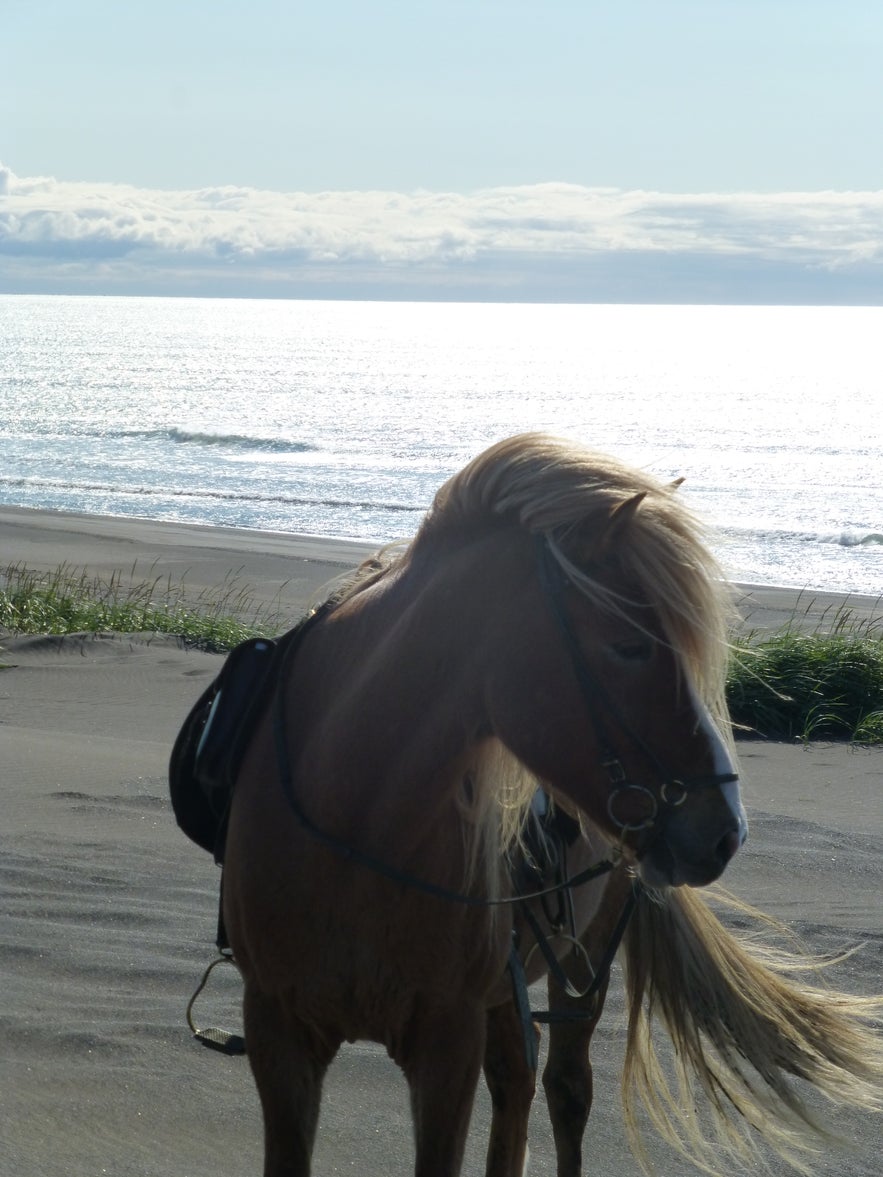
(367, 964)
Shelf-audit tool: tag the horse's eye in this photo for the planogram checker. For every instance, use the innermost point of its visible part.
(634, 650)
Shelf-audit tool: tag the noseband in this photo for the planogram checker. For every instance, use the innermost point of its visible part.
(672, 791)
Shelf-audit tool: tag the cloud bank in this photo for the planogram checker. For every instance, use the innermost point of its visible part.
(533, 242)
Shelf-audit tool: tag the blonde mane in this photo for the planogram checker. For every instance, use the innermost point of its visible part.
(552, 487)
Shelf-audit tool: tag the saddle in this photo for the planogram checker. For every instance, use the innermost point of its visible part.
(547, 834)
(213, 739)
(215, 736)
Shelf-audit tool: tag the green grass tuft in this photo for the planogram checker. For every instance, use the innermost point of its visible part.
(811, 686)
(69, 600)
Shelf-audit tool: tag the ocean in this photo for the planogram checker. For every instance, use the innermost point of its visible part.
(342, 418)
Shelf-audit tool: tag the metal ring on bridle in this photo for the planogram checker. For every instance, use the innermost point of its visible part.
(671, 798)
(632, 826)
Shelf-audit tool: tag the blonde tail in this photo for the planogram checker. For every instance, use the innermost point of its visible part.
(743, 1030)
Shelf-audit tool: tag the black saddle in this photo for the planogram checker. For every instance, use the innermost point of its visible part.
(209, 748)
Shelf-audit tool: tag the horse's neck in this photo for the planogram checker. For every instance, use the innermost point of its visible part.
(392, 699)
(393, 682)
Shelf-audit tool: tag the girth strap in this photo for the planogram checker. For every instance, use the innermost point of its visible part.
(522, 1004)
(526, 1015)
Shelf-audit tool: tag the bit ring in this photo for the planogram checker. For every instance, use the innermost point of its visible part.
(632, 826)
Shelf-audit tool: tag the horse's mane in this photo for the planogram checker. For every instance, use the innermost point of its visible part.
(554, 487)
(567, 493)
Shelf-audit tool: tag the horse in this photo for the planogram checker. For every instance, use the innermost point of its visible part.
(557, 622)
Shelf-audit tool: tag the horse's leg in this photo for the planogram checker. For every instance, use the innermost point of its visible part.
(567, 1078)
(288, 1062)
(441, 1060)
(512, 1083)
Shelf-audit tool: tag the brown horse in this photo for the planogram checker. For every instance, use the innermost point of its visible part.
(556, 620)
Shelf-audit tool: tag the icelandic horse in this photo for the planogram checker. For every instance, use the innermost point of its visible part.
(557, 621)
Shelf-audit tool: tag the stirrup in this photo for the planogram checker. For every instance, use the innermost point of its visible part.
(214, 1039)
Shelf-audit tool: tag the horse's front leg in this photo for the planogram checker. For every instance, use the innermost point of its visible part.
(567, 1077)
(288, 1061)
(512, 1084)
(441, 1058)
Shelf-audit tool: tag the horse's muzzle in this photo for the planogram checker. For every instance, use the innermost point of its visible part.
(693, 853)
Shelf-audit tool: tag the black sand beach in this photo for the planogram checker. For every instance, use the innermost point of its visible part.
(108, 912)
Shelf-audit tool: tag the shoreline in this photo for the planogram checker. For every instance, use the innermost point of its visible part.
(288, 569)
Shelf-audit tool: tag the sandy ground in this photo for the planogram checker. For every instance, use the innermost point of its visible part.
(107, 912)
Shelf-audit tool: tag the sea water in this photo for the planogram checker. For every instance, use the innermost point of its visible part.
(343, 418)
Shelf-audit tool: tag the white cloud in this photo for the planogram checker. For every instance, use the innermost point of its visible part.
(523, 241)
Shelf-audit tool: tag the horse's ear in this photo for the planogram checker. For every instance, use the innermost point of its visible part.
(618, 523)
(673, 486)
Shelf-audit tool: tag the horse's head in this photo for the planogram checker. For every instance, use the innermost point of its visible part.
(617, 725)
(671, 793)
(617, 656)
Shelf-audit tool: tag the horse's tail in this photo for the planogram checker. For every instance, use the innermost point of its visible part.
(743, 1030)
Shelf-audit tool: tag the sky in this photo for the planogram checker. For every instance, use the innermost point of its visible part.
(625, 151)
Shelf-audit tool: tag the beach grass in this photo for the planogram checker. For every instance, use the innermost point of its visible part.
(825, 683)
(70, 600)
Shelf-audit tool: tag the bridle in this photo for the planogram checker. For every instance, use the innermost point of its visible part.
(672, 791)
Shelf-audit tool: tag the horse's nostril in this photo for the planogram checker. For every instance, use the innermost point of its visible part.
(728, 845)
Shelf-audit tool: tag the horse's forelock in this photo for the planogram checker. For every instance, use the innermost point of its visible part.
(563, 490)
(665, 563)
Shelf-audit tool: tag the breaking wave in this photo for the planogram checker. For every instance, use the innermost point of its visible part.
(849, 538)
(231, 441)
(253, 497)
(853, 538)
(857, 539)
